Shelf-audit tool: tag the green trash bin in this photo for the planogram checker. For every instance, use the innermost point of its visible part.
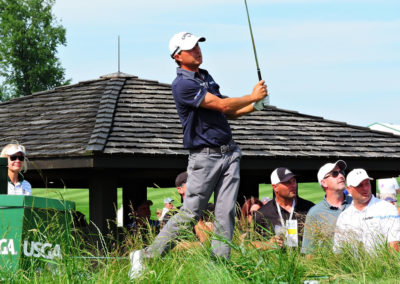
(33, 231)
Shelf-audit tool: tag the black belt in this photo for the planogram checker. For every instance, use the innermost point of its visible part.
(218, 150)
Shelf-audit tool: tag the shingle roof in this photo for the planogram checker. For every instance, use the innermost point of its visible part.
(129, 115)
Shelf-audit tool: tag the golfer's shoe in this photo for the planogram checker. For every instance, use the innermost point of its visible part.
(137, 266)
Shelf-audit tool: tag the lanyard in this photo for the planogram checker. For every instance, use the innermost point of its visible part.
(280, 214)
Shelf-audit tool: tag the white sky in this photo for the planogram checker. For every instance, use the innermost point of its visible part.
(337, 59)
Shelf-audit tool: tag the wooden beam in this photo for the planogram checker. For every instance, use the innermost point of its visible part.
(61, 163)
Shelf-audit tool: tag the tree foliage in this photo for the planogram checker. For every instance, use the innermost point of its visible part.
(29, 37)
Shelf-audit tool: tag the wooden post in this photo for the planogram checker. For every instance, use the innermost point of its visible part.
(103, 202)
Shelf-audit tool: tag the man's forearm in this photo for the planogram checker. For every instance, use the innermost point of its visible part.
(243, 111)
(231, 106)
(227, 105)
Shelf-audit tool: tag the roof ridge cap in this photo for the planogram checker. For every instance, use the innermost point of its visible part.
(105, 115)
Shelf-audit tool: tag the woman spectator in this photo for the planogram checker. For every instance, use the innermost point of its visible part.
(16, 163)
(249, 207)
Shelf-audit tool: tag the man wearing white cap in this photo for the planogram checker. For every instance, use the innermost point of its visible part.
(369, 221)
(284, 216)
(214, 157)
(321, 219)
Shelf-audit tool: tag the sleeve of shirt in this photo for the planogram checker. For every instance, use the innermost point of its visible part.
(27, 188)
(190, 92)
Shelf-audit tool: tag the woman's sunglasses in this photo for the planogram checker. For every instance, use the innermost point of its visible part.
(21, 158)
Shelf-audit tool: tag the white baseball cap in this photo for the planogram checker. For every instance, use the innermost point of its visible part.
(183, 41)
(168, 200)
(327, 168)
(356, 176)
(15, 149)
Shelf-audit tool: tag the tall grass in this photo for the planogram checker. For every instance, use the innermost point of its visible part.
(104, 259)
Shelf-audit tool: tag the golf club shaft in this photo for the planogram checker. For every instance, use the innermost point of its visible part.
(252, 40)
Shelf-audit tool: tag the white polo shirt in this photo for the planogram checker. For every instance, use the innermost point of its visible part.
(20, 188)
(377, 223)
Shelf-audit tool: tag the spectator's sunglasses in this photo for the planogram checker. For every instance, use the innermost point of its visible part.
(21, 158)
(335, 174)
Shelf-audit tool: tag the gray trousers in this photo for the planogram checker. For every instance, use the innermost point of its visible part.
(207, 173)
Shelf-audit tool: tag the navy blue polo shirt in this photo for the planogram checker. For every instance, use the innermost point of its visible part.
(201, 127)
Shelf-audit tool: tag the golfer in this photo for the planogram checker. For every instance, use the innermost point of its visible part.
(214, 160)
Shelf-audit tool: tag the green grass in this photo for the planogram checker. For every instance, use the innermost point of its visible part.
(92, 264)
(194, 265)
(311, 191)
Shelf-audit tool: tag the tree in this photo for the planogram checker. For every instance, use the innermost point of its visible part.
(29, 36)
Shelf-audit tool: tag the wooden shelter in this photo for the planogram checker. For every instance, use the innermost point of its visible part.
(123, 131)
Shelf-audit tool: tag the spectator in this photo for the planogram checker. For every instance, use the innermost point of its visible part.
(17, 162)
(284, 216)
(249, 207)
(321, 219)
(205, 223)
(369, 221)
(388, 187)
(141, 217)
(158, 214)
(391, 200)
(247, 212)
(265, 200)
(180, 183)
(167, 207)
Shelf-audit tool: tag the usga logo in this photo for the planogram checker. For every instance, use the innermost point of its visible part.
(45, 250)
(7, 246)
(35, 249)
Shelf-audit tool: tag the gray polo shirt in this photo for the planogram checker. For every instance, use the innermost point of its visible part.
(320, 223)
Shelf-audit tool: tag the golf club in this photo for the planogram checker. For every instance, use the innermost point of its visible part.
(266, 100)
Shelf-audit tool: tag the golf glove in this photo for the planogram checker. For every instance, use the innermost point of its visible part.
(259, 105)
